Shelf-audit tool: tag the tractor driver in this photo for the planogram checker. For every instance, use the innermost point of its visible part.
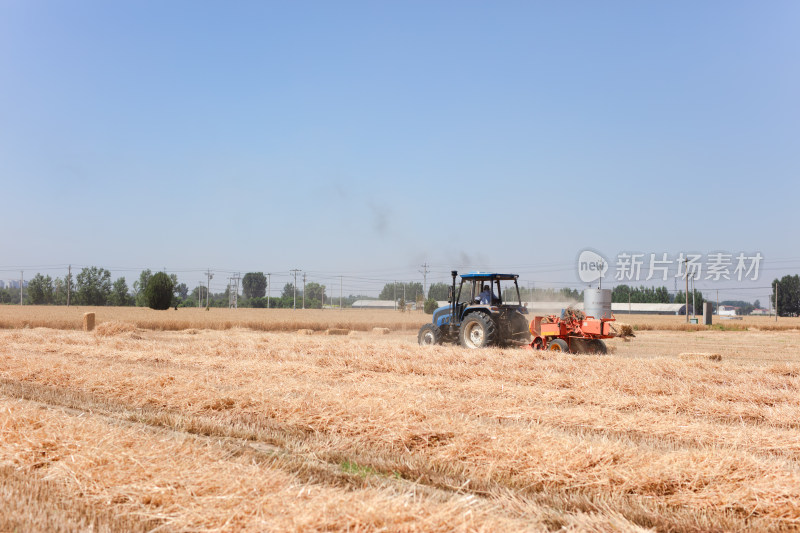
(486, 295)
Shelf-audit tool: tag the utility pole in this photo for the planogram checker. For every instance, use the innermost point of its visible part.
(717, 302)
(294, 287)
(233, 291)
(69, 283)
(304, 290)
(269, 287)
(424, 280)
(395, 295)
(209, 275)
(693, 304)
(686, 275)
(776, 301)
(21, 284)
(340, 293)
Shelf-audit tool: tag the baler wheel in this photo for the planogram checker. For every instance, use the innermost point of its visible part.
(597, 346)
(558, 345)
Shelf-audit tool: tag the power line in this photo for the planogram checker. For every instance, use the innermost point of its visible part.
(209, 275)
(294, 287)
(424, 272)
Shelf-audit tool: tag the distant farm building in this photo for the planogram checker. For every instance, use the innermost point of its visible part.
(374, 304)
(548, 308)
(554, 308)
(727, 310)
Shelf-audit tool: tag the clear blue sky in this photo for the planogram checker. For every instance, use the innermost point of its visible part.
(365, 138)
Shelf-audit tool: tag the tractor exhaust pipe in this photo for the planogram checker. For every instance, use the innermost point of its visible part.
(453, 273)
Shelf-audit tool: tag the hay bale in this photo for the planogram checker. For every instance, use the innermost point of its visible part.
(381, 331)
(337, 331)
(88, 321)
(305, 331)
(622, 330)
(576, 313)
(690, 356)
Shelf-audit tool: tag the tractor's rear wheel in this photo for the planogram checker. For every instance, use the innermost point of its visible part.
(476, 331)
(429, 335)
(558, 345)
(520, 328)
(597, 346)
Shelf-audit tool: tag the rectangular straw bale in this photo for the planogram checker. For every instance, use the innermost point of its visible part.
(88, 321)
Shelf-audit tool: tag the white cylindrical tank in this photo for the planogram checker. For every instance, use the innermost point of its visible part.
(597, 303)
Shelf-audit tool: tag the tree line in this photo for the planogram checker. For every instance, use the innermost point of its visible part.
(93, 286)
(656, 295)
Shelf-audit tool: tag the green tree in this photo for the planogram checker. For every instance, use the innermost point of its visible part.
(438, 291)
(680, 298)
(258, 302)
(254, 285)
(6, 297)
(59, 291)
(199, 293)
(788, 295)
(119, 293)
(315, 295)
(159, 291)
(93, 286)
(431, 305)
(140, 286)
(394, 291)
(288, 291)
(181, 291)
(40, 290)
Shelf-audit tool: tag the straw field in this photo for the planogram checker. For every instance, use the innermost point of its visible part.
(60, 317)
(220, 427)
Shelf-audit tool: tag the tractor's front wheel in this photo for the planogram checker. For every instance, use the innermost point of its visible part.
(429, 335)
(558, 345)
(476, 331)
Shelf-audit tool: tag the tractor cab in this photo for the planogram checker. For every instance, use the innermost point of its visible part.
(485, 309)
(496, 289)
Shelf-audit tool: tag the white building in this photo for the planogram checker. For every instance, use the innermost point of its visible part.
(726, 310)
(374, 304)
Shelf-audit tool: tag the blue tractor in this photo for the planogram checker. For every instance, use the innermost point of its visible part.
(485, 310)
